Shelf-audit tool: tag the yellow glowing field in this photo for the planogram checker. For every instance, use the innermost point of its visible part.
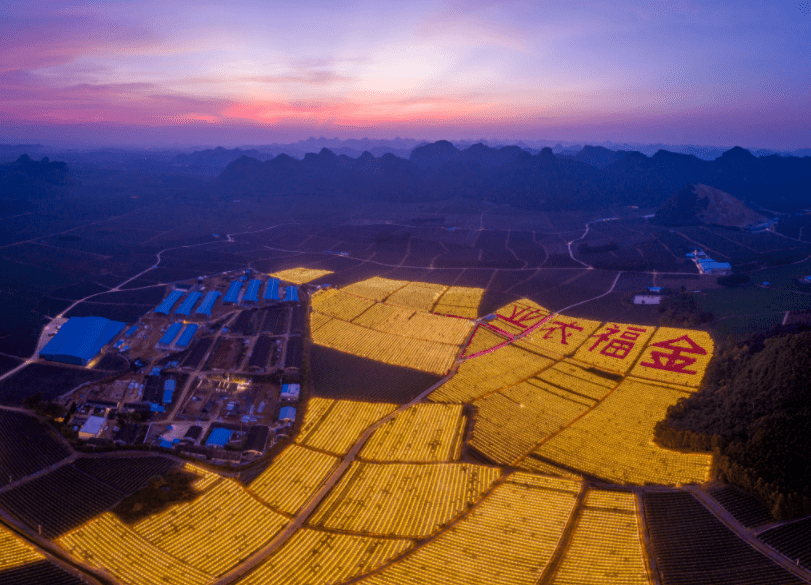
(417, 295)
(404, 500)
(507, 540)
(510, 423)
(216, 531)
(292, 478)
(483, 339)
(375, 288)
(313, 557)
(317, 320)
(605, 547)
(15, 552)
(537, 466)
(489, 372)
(107, 543)
(519, 316)
(300, 275)
(207, 478)
(421, 433)
(426, 356)
(335, 425)
(575, 379)
(339, 304)
(559, 335)
(415, 324)
(676, 356)
(614, 441)
(460, 301)
(615, 346)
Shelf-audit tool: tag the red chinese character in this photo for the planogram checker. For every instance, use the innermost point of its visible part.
(675, 361)
(619, 347)
(523, 317)
(562, 327)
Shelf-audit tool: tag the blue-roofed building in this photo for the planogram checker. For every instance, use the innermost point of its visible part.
(80, 339)
(171, 334)
(233, 292)
(287, 413)
(186, 337)
(168, 391)
(208, 303)
(272, 290)
(188, 303)
(219, 437)
(291, 294)
(166, 306)
(131, 331)
(252, 292)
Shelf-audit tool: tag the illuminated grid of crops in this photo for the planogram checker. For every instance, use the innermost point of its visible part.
(314, 557)
(300, 275)
(510, 423)
(483, 339)
(614, 441)
(214, 532)
(519, 316)
(423, 432)
(107, 543)
(417, 295)
(335, 425)
(207, 478)
(400, 499)
(339, 304)
(676, 356)
(605, 547)
(559, 335)
(294, 476)
(15, 552)
(576, 379)
(460, 301)
(426, 356)
(615, 346)
(507, 540)
(538, 466)
(415, 324)
(317, 320)
(375, 288)
(489, 372)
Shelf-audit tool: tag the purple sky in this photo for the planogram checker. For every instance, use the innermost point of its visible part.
(252, 72)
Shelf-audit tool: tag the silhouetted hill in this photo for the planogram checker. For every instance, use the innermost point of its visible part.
(514, 176)
(700, 204)
(26, 178)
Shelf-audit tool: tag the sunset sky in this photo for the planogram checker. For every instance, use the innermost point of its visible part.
(254, 72)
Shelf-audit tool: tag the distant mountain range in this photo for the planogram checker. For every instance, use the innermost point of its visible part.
(515, 176)
(26, 177)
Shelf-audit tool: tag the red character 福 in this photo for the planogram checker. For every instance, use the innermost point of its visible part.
(618, 347)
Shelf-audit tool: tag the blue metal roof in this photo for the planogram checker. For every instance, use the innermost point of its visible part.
(131, 331)
(171, 333)
(80, 339)
(291, 294)
(252, 292)
(188, 303)
(166, 306)
(272, 290)
(188, 333)
(287, 413)
(219, 437)
(208, 303)
(233, 292)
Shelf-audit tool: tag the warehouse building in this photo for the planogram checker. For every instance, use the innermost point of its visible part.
(188, 303)
(170, 335)
(272, 290)
(185, 339)
(166, 306)
(208, 303)
(80, 340)
(291, 294)
(290, 391)
(232, 295)
(252, 292)
(287, 414)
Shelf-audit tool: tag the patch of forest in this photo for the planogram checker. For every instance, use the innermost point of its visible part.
(754, 412)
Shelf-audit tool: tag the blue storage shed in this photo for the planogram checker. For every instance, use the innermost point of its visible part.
(287, 413)
(188, 303)
(171, 334)
(219, 437)
(131, 331)
(291, 294)
(80, 339)
(272, 290)
(252, 292)
(208, 303)
(168, 391)
(186, 337)
(233, 292)
(166, 306)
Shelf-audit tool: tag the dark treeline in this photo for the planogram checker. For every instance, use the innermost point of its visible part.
(512, 175)
(754, 412)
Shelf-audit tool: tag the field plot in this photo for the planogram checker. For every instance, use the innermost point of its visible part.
(27, 445)
(50, 381)
(606, 547)
(489, 372)
(15, 552)
(693, 547)
(507, 540)
(38, 573)
(421, 433)
(341, 375)
(675, 356)
(339, 304)
(292, 478)
(300, 275)
(313, 557)
(519, 316)
(792, 540)
(613, 441)
(415, 324)
(405, 500)
(216, 531)
(109, 544)
(745, 508)
(483, 339)
(575, 379)
(126, 474)
(559, 336)
(335, 425)
(375, 288)
(417, 295)
(614, 346)
(535, 465)
(510, 423)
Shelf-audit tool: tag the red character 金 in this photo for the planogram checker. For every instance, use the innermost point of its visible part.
(675, 361)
